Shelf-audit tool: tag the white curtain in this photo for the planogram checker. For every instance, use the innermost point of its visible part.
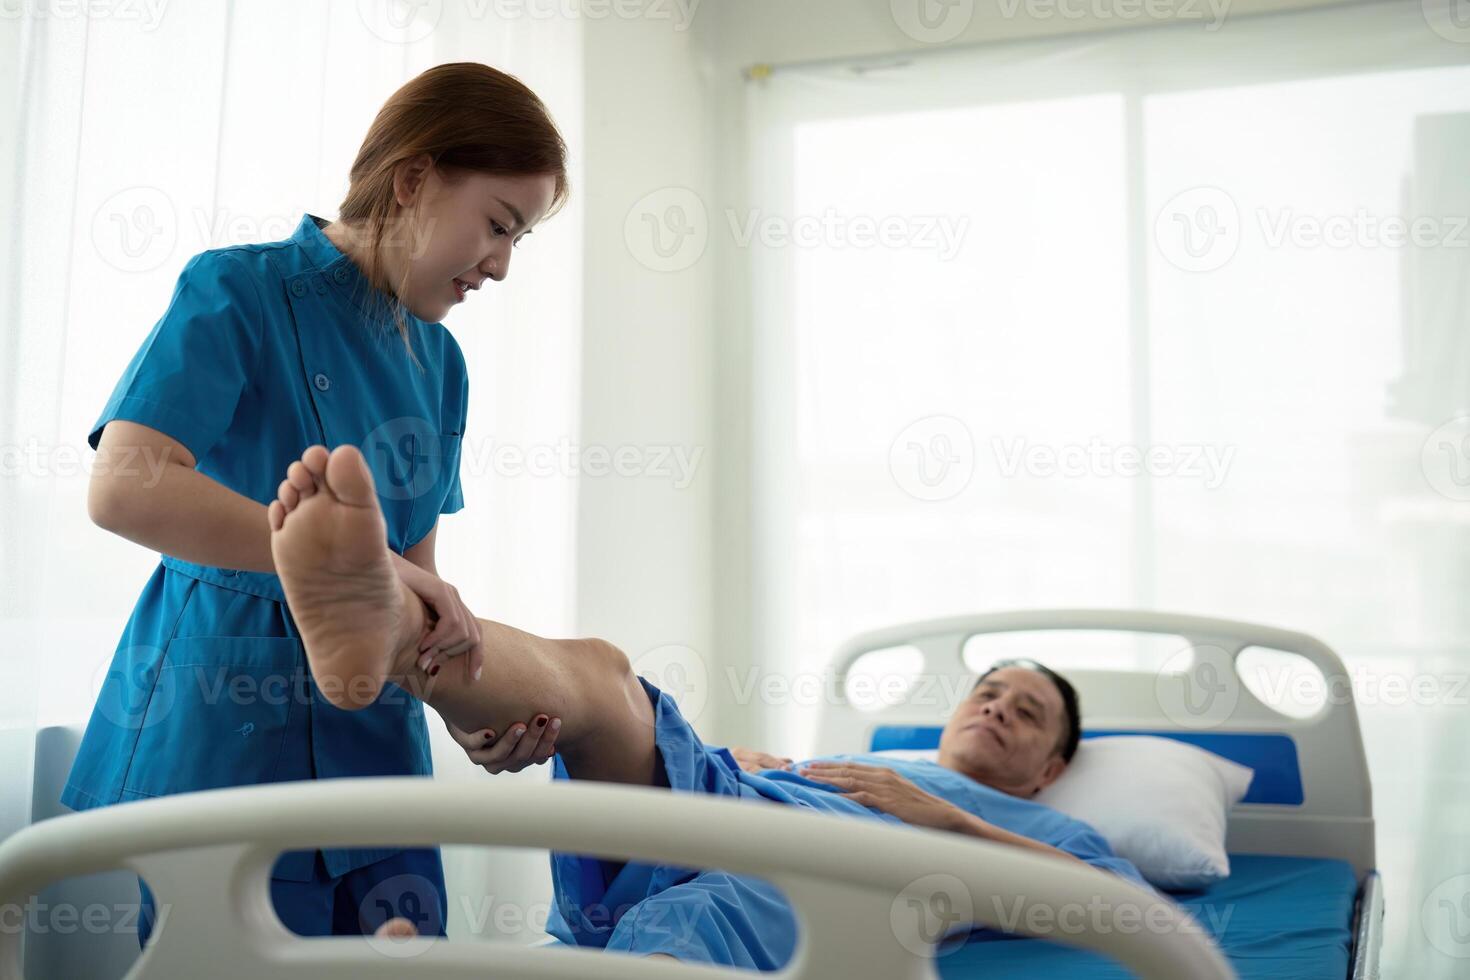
(1168, 318)
(145, 133)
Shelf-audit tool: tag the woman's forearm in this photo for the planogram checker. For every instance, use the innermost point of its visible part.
(183, 513)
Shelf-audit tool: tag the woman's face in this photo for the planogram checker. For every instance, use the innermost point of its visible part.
(466, 230)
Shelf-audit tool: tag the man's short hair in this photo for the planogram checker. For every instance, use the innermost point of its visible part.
(1072, 731)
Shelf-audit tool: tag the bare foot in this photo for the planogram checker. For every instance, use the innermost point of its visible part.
(330, 547)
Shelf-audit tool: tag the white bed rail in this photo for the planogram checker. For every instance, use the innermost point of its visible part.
(207, 856)
(1335, 818)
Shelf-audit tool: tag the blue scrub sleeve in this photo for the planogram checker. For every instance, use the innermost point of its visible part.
(187, 377)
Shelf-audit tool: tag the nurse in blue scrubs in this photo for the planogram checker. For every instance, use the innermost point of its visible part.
(329, 337)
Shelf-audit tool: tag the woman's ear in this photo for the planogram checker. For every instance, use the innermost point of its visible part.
(409, 177)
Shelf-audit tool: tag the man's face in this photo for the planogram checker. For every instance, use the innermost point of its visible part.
(1007, 732)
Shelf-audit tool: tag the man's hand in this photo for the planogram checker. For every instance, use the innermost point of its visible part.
(886, 790)
(753, 761)
(522, 746)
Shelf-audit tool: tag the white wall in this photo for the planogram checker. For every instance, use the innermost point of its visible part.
(666, 354)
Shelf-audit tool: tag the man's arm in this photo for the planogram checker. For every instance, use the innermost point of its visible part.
(967, 823)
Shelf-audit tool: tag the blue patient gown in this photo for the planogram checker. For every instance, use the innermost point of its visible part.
(738, 920)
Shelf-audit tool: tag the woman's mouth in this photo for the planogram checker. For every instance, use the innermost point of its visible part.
(460, 289)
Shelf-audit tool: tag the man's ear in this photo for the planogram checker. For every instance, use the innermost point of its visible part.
(1054, 767)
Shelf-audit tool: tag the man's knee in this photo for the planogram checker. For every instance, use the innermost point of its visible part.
(609, 661)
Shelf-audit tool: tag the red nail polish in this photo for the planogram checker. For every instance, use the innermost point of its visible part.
(433, 670)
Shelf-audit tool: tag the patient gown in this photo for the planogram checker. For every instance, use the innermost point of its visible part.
(739, 920)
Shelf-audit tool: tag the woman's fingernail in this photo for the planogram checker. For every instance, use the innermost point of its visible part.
(519, 732)
(478, 672)
(556, 724)
(540, 721)
(433, 670)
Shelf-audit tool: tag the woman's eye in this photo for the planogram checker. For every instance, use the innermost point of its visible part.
(497, 228)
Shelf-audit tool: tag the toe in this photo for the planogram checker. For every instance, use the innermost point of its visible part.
(288, 495)
(300, 477)
(315, 461)
(349, 479)
(277, 513)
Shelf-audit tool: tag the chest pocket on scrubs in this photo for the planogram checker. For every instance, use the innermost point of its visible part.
(219, 711)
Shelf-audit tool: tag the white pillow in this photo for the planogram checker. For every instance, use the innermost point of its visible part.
(1160, 803)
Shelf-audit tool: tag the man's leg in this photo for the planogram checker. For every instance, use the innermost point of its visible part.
(361, 626)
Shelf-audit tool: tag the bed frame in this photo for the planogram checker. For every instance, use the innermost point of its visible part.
(207, 855)
(1311, 796)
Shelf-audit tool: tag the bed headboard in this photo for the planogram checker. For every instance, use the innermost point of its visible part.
(1310, 795)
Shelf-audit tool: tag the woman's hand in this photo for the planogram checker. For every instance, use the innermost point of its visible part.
(522, 746)
(753, 761)
(883, 789)
(454, 631)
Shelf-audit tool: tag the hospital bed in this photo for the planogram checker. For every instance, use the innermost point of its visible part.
(854, 884)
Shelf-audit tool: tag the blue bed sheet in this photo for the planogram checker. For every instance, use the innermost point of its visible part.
(1286, 918)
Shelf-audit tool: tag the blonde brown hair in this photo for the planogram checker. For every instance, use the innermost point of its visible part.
(469, 118)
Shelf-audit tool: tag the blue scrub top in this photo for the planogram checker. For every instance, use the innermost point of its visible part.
(264, 350)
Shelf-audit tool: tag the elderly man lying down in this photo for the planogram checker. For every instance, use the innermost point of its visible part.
(361, 628)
